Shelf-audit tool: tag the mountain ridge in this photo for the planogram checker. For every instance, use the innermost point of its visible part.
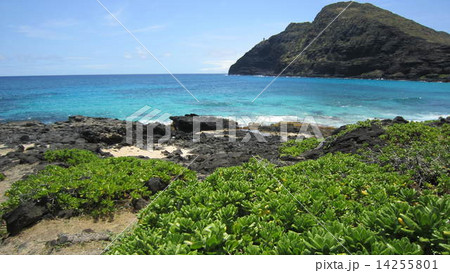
(364, 42)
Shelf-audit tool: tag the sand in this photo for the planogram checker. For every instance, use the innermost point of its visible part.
(34, 240)
(156, 153)
(4, 150)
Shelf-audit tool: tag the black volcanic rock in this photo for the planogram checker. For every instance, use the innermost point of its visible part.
(24, 216)
(364, 42)
(208, 123)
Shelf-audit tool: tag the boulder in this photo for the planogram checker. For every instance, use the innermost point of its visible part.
(399, 120)
(186, 123)
(155, 184)
(94, 136)
(24, 215)
(139, 204)
(352, 141)
(441, 121)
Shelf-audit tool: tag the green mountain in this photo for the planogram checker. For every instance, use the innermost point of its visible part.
(364, 42)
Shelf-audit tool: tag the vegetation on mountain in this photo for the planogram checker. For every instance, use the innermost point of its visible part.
(364, 42)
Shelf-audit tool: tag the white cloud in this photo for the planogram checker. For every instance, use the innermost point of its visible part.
(128, 55)
(149, 28)
(50, 29)
(218, 66)
(223, 53)
(63, 23)
(141, 53)
(39, 32)
(31, 58)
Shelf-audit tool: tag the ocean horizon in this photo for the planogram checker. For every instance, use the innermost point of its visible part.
(329, 101)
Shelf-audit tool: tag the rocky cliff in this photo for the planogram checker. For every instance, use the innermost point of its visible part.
(364, 42)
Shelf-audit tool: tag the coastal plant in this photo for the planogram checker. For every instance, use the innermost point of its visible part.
(70, 156)
(295, 147)
(91, 185)
(418, 150)
(258, 208)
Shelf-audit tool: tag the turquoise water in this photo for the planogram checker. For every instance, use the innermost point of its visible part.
(328, 101)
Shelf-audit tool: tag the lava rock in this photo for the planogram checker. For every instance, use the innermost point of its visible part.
(399, 120)
(139, 204)
(155, 184)
(66, 214)
(208, 123)
(24, 215)
(352, 141)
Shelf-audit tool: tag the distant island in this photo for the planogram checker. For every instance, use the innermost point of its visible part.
(364, 42)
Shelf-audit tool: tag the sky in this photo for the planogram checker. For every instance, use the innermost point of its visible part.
(62, 37)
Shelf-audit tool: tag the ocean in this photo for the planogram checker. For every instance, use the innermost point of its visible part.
(328, 101)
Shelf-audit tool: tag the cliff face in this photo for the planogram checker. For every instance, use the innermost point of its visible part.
(364, 42)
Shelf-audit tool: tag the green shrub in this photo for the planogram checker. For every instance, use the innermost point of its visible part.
(71, 157)
(2, 177)
(257, 208)
(418, 150)
(96, 187)
(296, 147)
(404, 134)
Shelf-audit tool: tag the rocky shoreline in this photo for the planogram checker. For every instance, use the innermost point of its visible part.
(25, 142)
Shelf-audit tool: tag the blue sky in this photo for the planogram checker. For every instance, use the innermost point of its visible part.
(54, 37)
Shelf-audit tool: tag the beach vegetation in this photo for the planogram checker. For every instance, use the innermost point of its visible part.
(418, 150)
(336, 204)
(297, 147)
(91, 185)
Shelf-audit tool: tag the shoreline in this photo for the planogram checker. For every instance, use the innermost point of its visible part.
(267, 121)
(24, 142)
(343, 78)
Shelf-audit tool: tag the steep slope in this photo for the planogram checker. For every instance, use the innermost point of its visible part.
(364, 42)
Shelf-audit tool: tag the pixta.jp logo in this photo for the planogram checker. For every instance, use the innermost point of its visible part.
(145, 126)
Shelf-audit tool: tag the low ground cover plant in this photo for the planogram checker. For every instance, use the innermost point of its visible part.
(295, 147)
(389, 199)
(419, 150)
(91, 185)
(333, 205)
